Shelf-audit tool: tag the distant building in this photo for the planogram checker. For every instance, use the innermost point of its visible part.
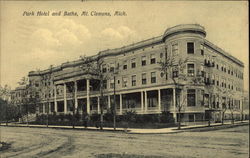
(246, 104)
(141, 85)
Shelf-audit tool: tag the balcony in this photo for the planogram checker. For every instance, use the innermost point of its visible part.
(81, 93)
(208, 63)
(78, 94)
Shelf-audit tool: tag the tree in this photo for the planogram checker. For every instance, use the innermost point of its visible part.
(71, 88)
(8, 112)
(95, 68)
(24, 106)
(227, 102)
(47, 91)
(231, 106)
(176, 65)
(5, 92)
(24, 81)
(113, 73)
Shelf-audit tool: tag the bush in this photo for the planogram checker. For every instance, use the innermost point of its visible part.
(129, 116)
(108, 116)
(77, 116)
(85, 118)
(166, 117)
(61, 117)
(95, 117)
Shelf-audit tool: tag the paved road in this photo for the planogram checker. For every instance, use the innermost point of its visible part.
(36, 142)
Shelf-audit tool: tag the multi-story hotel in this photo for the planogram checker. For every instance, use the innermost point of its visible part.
(200, 78)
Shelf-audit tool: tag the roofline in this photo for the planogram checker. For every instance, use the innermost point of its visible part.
(224, 53)
(135, 46)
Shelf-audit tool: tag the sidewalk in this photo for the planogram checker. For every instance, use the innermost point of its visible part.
(183, 128)
(134, 130)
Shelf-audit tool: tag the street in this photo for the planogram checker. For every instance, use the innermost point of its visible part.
(40, 142)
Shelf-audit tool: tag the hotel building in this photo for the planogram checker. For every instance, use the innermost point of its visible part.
(209, 79)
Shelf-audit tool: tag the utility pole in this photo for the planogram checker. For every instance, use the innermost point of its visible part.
(48, 92)
(114, 110)
(115, 72)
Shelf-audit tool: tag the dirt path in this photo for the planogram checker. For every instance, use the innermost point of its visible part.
(35, 142)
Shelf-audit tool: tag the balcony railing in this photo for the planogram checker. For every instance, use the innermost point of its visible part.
(78, 94)
(81, 93)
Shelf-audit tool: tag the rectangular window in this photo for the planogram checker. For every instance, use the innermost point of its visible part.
(112, 83)
(133, 63)
(152, 59)
(153, 77)
(104, 69)
(203, 99)
(213, 79)
(112, 67)
(125, 67)
(191, 97)
(143, 60)
(202, 49)
(206, 100)
(190, 69)
(175, 73)
(144, 78)
(152, 102)
(190, 48)
(175, 49)
(124, 82)
(134, 80)
(104, 84)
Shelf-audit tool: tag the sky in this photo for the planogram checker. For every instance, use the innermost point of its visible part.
(34, 42)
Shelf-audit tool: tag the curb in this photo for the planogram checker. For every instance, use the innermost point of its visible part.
(65, 128)
(218, 127)
(130, 131)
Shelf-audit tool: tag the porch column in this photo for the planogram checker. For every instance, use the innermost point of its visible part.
(159, 99)
(55, 102)
(76, 102)
(142, 102)
(174, 104)
(121, 103)
(109, 101)
(49, 108)
(65, 97)
(98, 105)
(194, 117)
(44, 109)
(146, 102)
(88, 99)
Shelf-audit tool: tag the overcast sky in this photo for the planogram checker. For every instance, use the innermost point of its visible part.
(32, 42)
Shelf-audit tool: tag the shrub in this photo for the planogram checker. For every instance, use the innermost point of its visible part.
(61, 117)
(85, 118)
(129, 116)
(166, 117)
(108, 116)
(95, 117)
(77, 116)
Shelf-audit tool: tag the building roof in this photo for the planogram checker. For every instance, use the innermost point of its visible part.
(20, 88)
(141, 44)
(224, 53)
